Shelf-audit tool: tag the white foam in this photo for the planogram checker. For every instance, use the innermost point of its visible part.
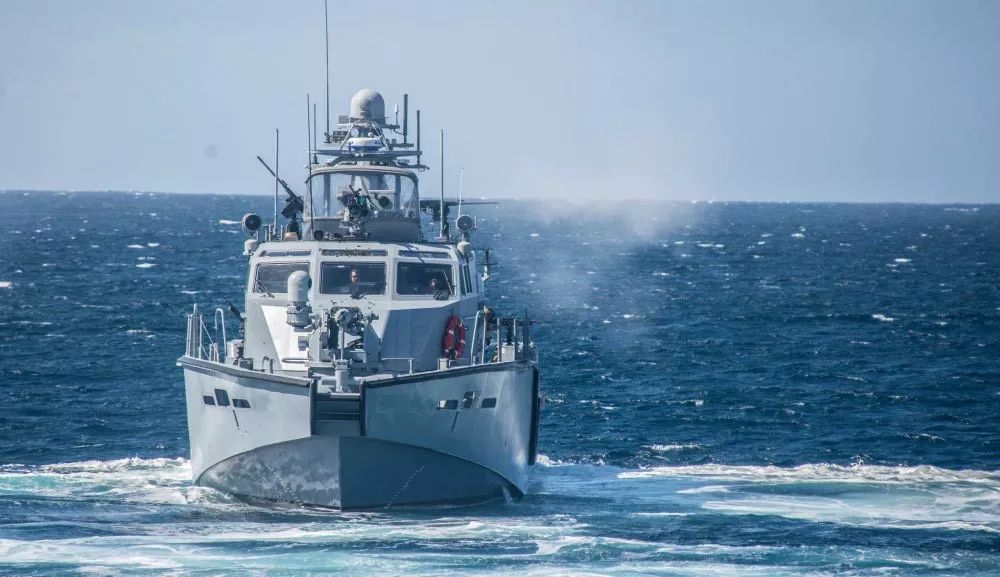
(228, 222)
(6, 284)
(136, 246)
(902, 260)
(165, 481)
(824, 472)
(145, 265)
(883, 318)
(917, 497)
(152, 244)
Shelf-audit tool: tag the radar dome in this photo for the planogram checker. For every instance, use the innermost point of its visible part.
(368, 104)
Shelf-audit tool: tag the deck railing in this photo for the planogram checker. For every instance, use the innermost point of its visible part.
(199, 343)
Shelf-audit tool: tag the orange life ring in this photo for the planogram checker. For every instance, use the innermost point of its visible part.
(453, 342)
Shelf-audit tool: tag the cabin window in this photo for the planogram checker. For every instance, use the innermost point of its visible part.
(417, 278)
(272, 277)
(424, 254)
(354, 252)
(466, 280)
(222, 398)
(348, 278)
(365, 192)
(285, 253)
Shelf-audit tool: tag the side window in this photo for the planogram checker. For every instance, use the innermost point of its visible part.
(466, 281)
(417, 278)
(272, 277)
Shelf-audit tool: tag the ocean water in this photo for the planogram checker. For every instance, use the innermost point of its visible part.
(733, 389)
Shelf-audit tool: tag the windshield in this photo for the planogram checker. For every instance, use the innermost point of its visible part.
(352, 278)
(364, 192)
(415, 278)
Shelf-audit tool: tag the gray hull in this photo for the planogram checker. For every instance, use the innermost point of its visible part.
(455, 436)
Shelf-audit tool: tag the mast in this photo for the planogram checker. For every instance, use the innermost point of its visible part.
(461, 181)
(309, 140)
(443, 214)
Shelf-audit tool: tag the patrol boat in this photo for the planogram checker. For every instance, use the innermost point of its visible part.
(368, 371)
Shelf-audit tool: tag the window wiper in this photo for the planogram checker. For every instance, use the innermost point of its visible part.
(364, 291)
(257, 285)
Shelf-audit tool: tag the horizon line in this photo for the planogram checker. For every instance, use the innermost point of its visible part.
(576, 200)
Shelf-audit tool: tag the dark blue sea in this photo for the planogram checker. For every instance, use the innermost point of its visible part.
(732, 389)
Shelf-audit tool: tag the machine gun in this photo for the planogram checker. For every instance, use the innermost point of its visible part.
(293, 204)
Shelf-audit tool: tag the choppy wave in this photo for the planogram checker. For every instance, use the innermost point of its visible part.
(679, 362)
(199, 530)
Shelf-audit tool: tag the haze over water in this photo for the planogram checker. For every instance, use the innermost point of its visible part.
(733, 389)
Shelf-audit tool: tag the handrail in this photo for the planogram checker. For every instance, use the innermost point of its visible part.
(220, 313)
(475, 336)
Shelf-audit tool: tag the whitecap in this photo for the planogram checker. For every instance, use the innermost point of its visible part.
(145, 265)
(798, 235)
(224, 221)
(902, 260)
(667, 448)
(136, 246)
(705, 489)
(152, 244)
(6, 284)
(883, 318)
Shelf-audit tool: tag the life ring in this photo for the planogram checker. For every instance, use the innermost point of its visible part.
(453, 342)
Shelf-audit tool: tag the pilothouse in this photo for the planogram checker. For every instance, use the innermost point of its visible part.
(369, 370)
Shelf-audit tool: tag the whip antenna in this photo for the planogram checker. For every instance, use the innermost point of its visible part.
(326, 29)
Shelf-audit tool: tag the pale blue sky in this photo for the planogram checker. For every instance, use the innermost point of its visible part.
(768, 100)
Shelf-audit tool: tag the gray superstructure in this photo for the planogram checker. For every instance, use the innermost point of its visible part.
(368, 371)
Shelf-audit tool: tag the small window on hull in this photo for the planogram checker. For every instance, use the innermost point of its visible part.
(222, 397)
(241, 404)
(208, 399)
